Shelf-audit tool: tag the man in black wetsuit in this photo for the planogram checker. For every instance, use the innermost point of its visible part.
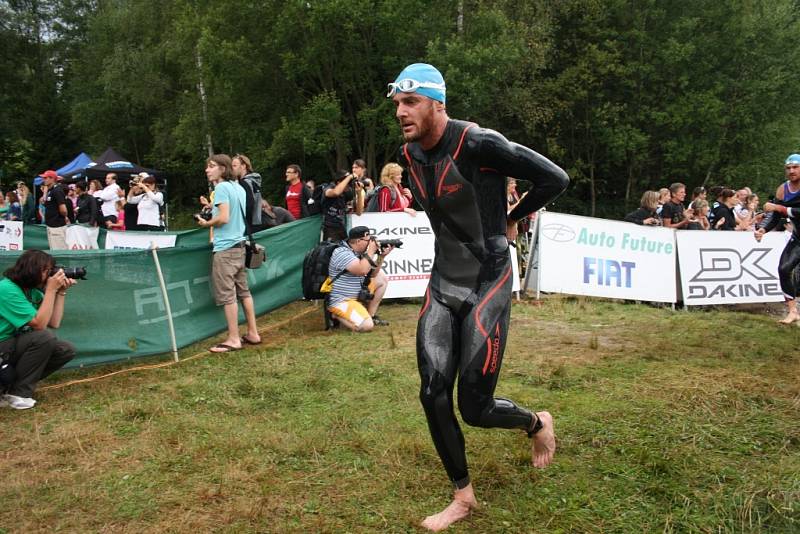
(786, 204)
(457, 173)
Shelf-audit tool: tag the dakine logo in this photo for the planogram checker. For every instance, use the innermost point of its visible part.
(559, 233)
(726, 264)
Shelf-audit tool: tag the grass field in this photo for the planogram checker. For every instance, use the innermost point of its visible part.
(667, 422)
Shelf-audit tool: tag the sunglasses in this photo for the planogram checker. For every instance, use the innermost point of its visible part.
(408, 85)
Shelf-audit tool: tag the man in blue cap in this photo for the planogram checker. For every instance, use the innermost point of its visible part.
(457, 174)
(786, 204)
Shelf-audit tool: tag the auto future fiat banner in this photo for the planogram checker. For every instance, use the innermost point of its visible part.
(408, 268)
(602, 258)
(729, 267)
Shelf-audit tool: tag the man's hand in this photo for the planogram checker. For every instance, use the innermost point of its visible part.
(758, 234)
(511, 230)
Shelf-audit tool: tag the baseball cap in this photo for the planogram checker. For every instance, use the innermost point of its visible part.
(358, 232)
(50, 174)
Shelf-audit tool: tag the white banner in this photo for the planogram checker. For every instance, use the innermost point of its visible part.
(408, 268)
(128, 240)
(729, 267)
(11, 235)
(602, 258)
(82, 237)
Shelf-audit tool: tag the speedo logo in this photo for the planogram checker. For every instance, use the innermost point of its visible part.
(450, 189)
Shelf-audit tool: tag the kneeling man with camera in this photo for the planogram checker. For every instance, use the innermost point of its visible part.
(358, 281)
(31, 300)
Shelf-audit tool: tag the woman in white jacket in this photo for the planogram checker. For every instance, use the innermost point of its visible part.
(148, 200)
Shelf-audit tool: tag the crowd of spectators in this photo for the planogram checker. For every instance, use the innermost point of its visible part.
(719, 208)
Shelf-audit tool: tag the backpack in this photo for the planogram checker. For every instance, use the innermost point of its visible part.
(315, 206)
(252, 191)
(316, 282)
(374, 199)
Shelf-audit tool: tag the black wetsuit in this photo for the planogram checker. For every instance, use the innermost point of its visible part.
(463, 324)
(790, 257)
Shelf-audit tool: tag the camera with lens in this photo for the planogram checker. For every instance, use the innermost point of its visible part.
(135, 181)
(204, 215)
(76, 273)
(386, 243)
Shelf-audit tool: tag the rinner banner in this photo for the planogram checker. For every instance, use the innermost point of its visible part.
(602, 258)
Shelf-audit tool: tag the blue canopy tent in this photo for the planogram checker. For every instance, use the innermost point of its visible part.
(74, 168)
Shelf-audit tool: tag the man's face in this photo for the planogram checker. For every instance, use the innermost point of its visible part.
(741, 195)
(291, 175)
(360, 245)
(358, 171)
(680, 194)
(237, 168)
(110, 179)
(49, 181)
(416, 114)
(793, 172)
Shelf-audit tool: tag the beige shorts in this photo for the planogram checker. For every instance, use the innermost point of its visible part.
(229, 276)
(57, 238)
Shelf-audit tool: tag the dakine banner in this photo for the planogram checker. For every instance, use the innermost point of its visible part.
(602, 258)
(729, 267)
(408, 268)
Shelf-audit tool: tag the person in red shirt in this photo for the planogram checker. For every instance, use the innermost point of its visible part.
(392, 196)
(297, 194)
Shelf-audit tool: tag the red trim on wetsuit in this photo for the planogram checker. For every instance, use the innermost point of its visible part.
(414, 174)
(461, 141)
(489, 169)
(441, 179)
(483, 331)
(783, 210)
(427, 301)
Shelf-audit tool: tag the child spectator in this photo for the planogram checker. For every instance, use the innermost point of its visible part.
(120, 223)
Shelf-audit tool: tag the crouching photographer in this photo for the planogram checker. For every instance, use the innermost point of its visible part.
(358, 281)
(31, 300)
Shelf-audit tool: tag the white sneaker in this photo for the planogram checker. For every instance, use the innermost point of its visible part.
(18, 403)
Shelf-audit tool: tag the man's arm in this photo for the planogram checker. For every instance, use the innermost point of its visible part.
(511, 159)
(337, 191)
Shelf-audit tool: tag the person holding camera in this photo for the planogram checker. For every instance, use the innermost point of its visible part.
(358, 281)
(144, 194)
(334, 205)
(228, 272)
(32, 298)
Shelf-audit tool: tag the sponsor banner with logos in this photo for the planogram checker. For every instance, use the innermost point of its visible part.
(82, 237)
(138, 240)
(602, 258)
(11, 235)
(729, 267)
(408, 268)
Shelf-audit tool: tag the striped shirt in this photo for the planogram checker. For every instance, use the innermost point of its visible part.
(348, 285)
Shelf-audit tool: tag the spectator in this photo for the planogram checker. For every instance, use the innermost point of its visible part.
(334, 205)
(94, 187)
(148, 200)
(714, 194)
(72, 196)
(40, 205)
(359, 171)
(512, 199)
(87, 209)
(672, 213)
(119, 218)
(297, 195)
(698, 218)
(748, 215)
(663, 198)
(392, 196)
(723, 216)
(56, 211)
(272, 216)
(699, 193)
(251, 182)
(646, 214)
(31, 300)
(27, 202)
(228, 271)
(109, 196)
(3, 206)
(14, 212)
(352, 269)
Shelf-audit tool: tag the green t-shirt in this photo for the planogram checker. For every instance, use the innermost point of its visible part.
(15, 309)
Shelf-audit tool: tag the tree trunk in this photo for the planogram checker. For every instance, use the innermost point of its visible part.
(201, 90)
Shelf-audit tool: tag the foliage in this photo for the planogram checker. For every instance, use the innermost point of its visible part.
(624, 95)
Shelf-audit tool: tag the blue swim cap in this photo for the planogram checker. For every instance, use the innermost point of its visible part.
(420, 78)
(793, 159)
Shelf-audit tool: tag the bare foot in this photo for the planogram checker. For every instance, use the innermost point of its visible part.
(544, 442)
(463, 503)
(791, 317)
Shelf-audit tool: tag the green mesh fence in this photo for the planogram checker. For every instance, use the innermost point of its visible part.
(119, 313)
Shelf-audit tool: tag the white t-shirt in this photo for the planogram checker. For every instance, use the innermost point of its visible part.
(109, 195)
(148, 204)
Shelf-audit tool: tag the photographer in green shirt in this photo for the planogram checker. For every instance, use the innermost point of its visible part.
(31, 300)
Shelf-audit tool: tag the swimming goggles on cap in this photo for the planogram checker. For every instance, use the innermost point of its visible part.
(408, 85)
